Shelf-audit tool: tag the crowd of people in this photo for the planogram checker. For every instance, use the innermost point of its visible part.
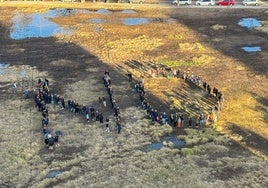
(107, 83)
(43, 96)
(178, 119)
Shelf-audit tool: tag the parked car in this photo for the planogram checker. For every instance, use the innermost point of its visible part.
(136, 1)
(250, 2)
(181, 2)
(226, 2)
(205, 2)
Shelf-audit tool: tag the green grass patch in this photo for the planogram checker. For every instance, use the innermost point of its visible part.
(190, 151)
(206, 135)
(170, 63)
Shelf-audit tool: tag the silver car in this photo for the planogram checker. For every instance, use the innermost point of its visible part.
(250, 2)
(205, 2)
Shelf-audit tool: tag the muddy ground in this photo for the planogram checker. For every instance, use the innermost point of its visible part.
(206, 42)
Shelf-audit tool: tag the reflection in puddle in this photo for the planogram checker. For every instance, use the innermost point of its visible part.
(2, 68)
(53, 173)
(153, 146)
(37, 25)
(4, 65)
(252, 49)
(103, 11)
(135, 21)
(249, 23)
(95, 20)
(170, 141)
(57, 12)
(177, 143)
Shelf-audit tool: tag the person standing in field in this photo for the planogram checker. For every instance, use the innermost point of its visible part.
(101, 118)
(119, 128)
(104, 101)
(179, 124)
(100, 101)
(107, 125)
(14, 87)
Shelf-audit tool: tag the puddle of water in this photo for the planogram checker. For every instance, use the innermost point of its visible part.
(53, 173)
(95, 20)
(4, 185)
(152, 147)
(2, 68)
(57, 12)
(249, 23)
(252, 49)
(36, 25)
(176, 143)
(135, 21)
(2, 65)
(103, 11)
(128, 11)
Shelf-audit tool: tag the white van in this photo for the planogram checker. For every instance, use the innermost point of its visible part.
(181, 2)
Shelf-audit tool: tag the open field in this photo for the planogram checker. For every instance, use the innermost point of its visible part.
(231, 153)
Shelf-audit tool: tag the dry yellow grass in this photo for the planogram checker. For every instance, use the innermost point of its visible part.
(90, 157)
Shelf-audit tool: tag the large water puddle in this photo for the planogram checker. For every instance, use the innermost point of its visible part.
(252, 48)
(135, 21)
(104, 11)
(249, 23)
(169, 141)
(96, 20)
(126, 21)
(39, 24)
(53, 173)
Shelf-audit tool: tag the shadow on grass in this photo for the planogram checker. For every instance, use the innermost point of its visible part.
(230, 19)
(263, 107)
(251, 139)
(62, 61)
(185, 97)
(194, 100)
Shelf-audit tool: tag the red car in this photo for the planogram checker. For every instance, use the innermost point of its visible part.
(226, 2)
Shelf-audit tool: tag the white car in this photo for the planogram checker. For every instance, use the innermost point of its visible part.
(250, 2)
(205, 2)
(181, 2)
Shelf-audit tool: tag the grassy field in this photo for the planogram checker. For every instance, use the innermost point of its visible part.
(230, 155)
